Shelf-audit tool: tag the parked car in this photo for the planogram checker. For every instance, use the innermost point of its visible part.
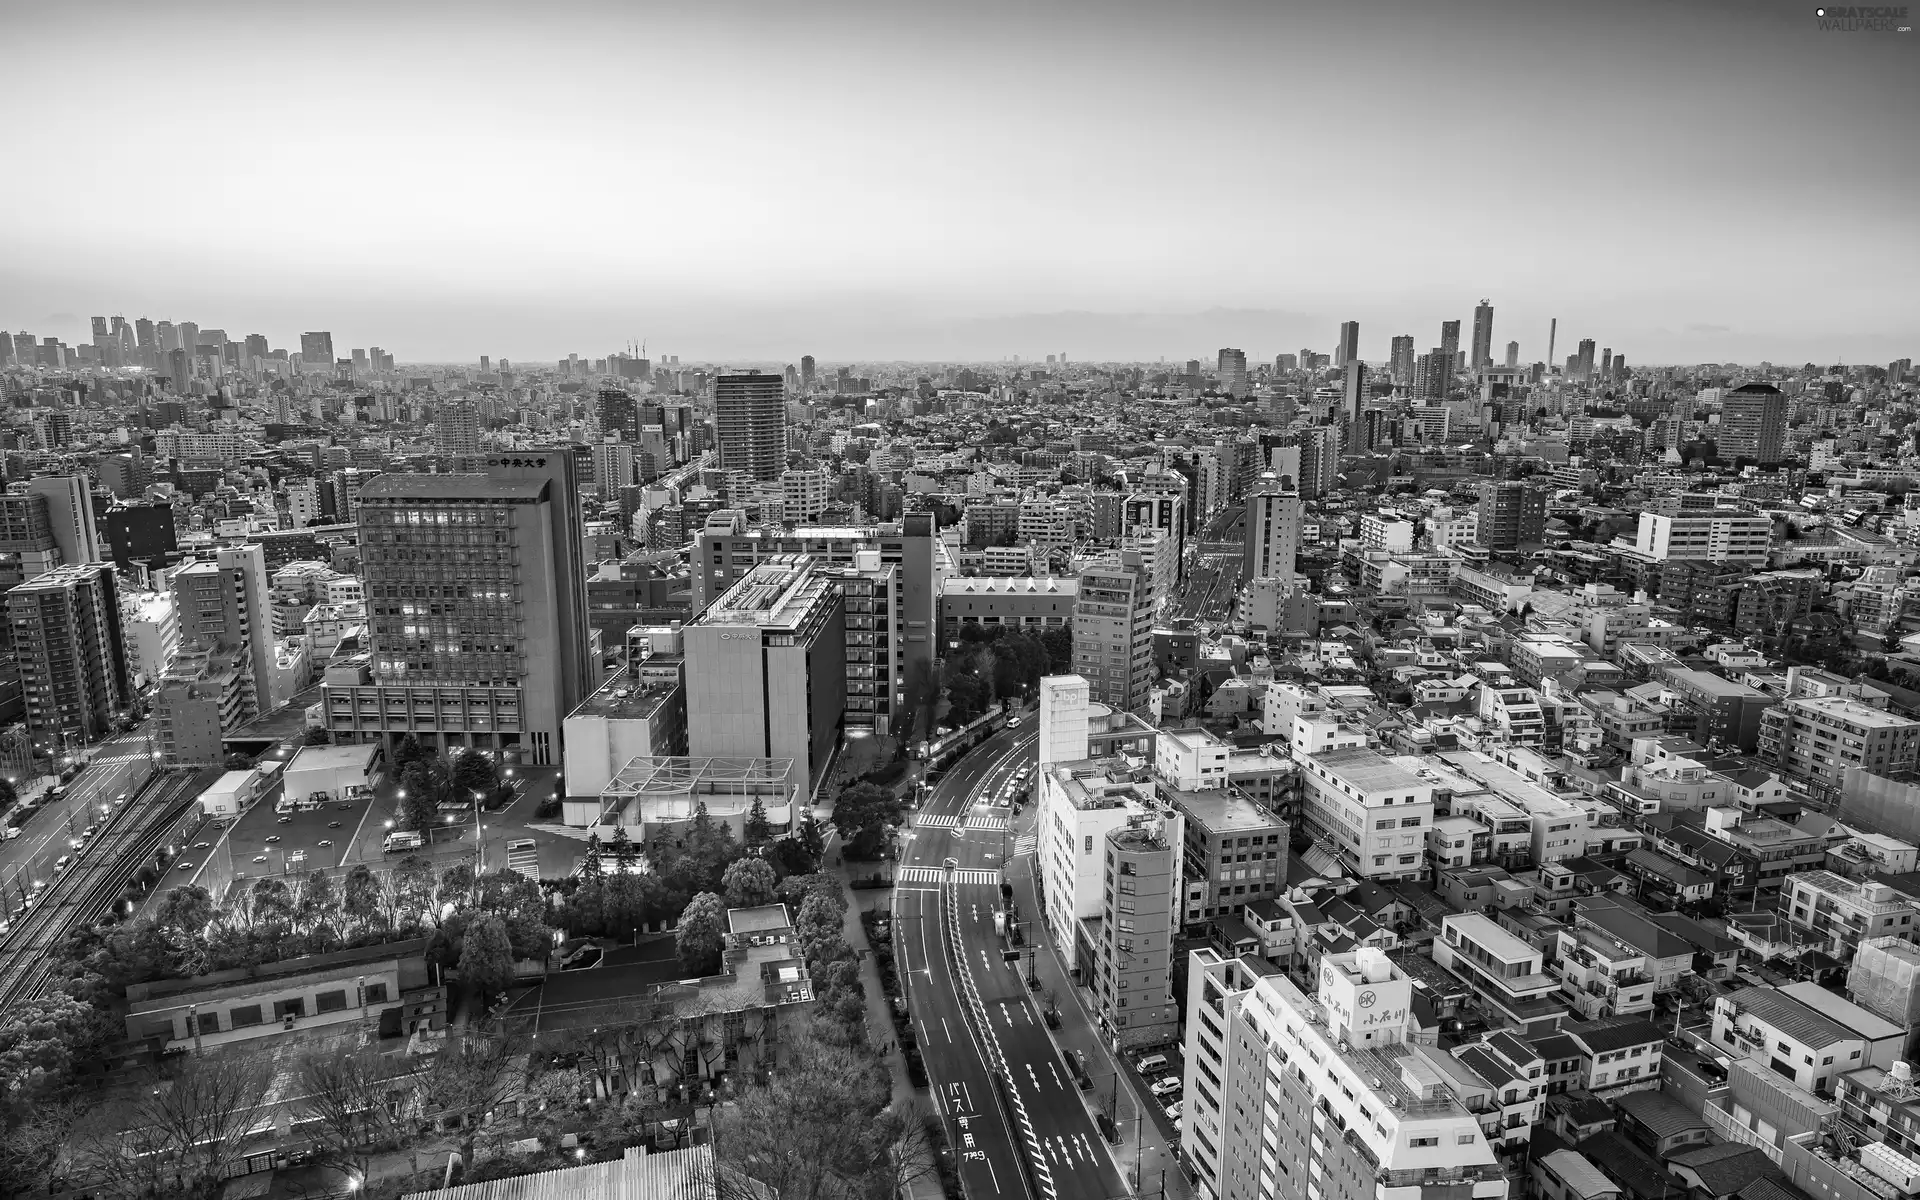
(1162, 1088)
(62, 863)
(1173, 1111)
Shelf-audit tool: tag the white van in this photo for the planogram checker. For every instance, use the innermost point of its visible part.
(1152, 1064)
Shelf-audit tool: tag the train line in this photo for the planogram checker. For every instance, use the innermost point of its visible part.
(85, 892)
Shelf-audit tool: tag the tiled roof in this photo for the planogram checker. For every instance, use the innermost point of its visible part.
(1790, 1017)
(1614, 1033)
(1726, 1168)
(1662, 1115)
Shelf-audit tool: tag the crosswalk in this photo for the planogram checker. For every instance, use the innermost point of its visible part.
(937, 875)
(1026, 843)
(972, 821)
(525, 860)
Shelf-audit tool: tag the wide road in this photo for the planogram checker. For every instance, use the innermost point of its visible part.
(119, 765)
(975, 1012)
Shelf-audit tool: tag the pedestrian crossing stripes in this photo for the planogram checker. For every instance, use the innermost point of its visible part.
(974, 821)
(1026, 843)
(527, 862)
(939, 875)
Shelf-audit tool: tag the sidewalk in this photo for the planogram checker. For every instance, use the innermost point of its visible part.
(1114, 1080)
(879, 1020)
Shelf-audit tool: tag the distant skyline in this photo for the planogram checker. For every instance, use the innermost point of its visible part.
(1710, 181)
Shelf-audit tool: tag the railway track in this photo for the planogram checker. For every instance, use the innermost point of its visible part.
(86, 891)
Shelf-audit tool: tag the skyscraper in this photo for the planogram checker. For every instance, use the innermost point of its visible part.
(750, 424)
(1513, 354)
(1353, 394)
(73, 658)
(1606, 363)
(618, 413)
(476, 608)
(1753, 423)
(806, 372)
(456, 427)
(316, 351)
(1113, 631)
(1431, 374)
(1348, 348)
(1483, 335)
(1319, 461)
(225, 603)
(1401, 363)
(1233, 371)
(1272, 545)
(1583, 368)
(1450, 342)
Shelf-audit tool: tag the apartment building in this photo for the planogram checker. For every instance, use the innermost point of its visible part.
(1235, 850)
(1140, 903)
(1719, 708)
(1818, 738)
(1113, 631)
(1840, 912)
(1372, 812)
(1504, 972)
(1806, 1042)
(1323, 1096)
(1721, 535)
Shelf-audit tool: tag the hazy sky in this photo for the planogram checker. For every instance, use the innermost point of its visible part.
(1683, 180)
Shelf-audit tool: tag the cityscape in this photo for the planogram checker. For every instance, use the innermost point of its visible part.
(675, 604)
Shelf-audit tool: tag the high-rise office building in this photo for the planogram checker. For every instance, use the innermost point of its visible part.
(1328, 1096)
(476, 608)
(1606, 362)
(226, 601)
(1513, 354)
(1402, 359)
(456, 427)
(1753, 424)
(1449, 342)
(1348, 348)
(316, 351)
(1583, 368)
(618, 413)
(1113, 631)
(1512, 512)
(807, 371)
(750, 424)
(1272, 545)
(1353, 394)
(1431, 374)
(1233, 371)
(1482, 335)
(766, 669)
(46, 524)
(1159, 508)
(65, 627)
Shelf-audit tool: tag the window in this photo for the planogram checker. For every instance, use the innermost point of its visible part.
(1423, 1141)
(240, 1018)
(209, 1022)
(332, 1001)
(295, 1007)
(1089, 843)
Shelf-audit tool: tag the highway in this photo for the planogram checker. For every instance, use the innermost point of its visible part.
(121, 765)
(975, 1015)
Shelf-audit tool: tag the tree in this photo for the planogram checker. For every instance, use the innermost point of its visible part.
(473, 772)
(354, 1105)
(360, 896)
(318, 736)
(798, 1133)
(624, 902)
(700, 938)
(749, 883)
(473, 1075)
(405, 750)
(486, 955)
(812, 839)
(8, 795)
(758, 829)
(39, 1041)
(865, 815)
(181, 1136)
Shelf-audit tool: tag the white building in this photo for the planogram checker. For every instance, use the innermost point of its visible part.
(1372, 812)
(1322, 1096)
(1717, 535)
(151, 625)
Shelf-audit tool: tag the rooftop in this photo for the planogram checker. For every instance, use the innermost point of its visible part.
(400, 486)
(1368, 770)
(677, 775)
(1790, 1017)
(622, 697)
(778, 591)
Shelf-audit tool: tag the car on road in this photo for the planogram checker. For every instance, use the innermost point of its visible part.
(120, 799)
(333, 824)
(272, 838)
(62, 863)
(323, 842)
(259, 858)
(1162, 1088)
(1013, 721)
(185, 866)
(286, 820)
(197, 846)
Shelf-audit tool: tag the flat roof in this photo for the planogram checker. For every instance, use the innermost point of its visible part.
(776, 591)
(675, 775)
(1368, 770)
(333, 758)
(623, 697)
(406, 485)
(1847, 708)
(1222, 810)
